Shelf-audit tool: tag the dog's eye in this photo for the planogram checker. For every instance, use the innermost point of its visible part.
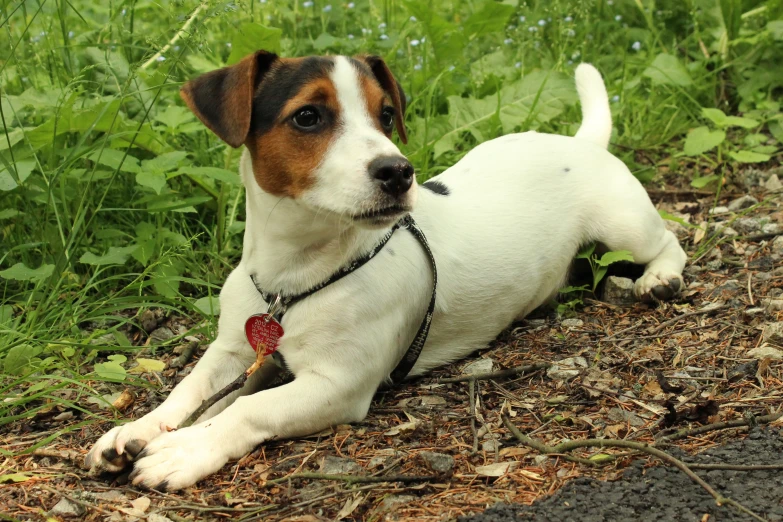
(387, 118)
(306, 117)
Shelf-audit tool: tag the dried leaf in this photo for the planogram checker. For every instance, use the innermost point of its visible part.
(148, 366)
(496, 470)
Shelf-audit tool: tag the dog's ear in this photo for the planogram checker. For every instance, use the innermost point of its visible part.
(390, 84)
(223, 99)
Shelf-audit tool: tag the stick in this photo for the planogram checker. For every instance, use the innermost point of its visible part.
(185, 356)
(736, 467)
(73, 457)
(511, 372)
(176, 37)
(683, 316)
(471, 396)
(738, 423)
(626, 444)
(356, 479)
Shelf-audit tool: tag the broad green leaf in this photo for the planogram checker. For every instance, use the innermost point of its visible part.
(446, 39)
(201, 64)
(166, 161)
(603, 458)
(154, 179)
(23, 170)
(666, 69)
(14, 477)
(615, 256)
(7, 181)
(775, 28)
(115, 159)
(250, 37)
(6, 314)
(163, 278)
(174, 116)
(209, 305)
(719, 118)
(115, 256)
(703, 181)
(490, 18)
(20, 272)
(570, 289)
(148, 366)
(765, 149)
(8, 213)
(702, 139)
(226, 176)
(112, 369)
(746, 156)
(586, 252)
(324, 41)
(18, 358)
(776, 129)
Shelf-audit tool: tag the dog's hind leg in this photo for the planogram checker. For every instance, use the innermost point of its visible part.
(625, 219)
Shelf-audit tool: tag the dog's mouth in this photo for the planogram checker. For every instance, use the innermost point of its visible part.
(381, 214)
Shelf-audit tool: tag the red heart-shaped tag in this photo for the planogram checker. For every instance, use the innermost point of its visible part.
(263, 330)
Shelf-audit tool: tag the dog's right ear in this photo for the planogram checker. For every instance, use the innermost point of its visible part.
(223, 99)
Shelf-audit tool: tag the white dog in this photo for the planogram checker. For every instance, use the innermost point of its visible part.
(325, 185)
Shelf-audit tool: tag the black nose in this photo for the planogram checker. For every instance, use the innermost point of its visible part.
(393, 173)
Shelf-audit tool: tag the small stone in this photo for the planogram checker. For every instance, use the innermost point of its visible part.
(479, 366)
(160, 335)
(571, 323)
(773, 332)
(332, 465)
(619, 291)
(496, 470)
(438, 462)
(154, 517)
(773, 183)
(777, 245)
(764, 351)
(741, 371)
(719, 210)
(770, 228)
(742, 203)
(540, 460)
(392, 502)
(621, 415)
(729, 232)
(149, 320)
(772, 305)
(113, 496)
(747, 225)
(433, 400)
(490, 446)
(67, 508)
(567, 368)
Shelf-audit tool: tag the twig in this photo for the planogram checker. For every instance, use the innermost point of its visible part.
(759, 237)
(738, 423)
(511, 372)
(73, 457)
(735, 467)
(626, 444)
(540, 446)
(687, 314)
(176, 37)
(185, 356)
(472, 398)
(76, 500)
(624, 330)
(356, 479)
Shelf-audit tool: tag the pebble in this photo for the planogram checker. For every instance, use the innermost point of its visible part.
(566, 369)
(161, 334)
(770, 228)
(392, 502)
(480, 366)
(773, 332)
(729, 232)
(777, 245)
(764, 351)
(772, 305)
(67, 508)
(719, 210)
(154, 517)
(619, 291)
(438, 462)
(773, 183)
(332, 465)
(571, 323)
(747, 225)
(742, 203)
(621, 415)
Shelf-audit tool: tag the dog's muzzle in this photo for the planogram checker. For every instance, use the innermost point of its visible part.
(393, 175)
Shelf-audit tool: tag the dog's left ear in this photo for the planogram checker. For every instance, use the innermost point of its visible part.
(223, 99)
(389, 84)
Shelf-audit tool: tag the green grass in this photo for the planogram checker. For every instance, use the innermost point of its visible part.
(115, 199)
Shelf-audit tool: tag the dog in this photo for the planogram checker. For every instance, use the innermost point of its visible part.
(325, 186)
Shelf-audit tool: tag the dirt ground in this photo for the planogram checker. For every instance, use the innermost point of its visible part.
(434, 450)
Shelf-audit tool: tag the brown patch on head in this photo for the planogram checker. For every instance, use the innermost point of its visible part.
(390, 86)
(375, 99)
(284, 155)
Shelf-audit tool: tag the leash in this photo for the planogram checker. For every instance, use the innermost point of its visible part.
(279, 303)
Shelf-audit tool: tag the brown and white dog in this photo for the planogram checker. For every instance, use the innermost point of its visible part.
(325, 183)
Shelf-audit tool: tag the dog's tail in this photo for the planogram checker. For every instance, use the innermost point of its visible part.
(596, 116)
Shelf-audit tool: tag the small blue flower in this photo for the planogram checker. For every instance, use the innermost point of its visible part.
(71, 34)
(570, 33)
(615, 98)
(568, 19)
(570, 62)
(308, 3)
(365, 31)
(451, 67)
(24, 79)
(518, 65)
(522, 19)
(423, 39)
(636, 46)
(350, 37)
(351, 5)
(384, 37)
(161, 58)
(417, 67)
(176, 47)
(532, 29)
(618, 18)
(508, 41)
(609, 2)
(413, 19)
(228, 44)
(262, 1)
(327, 8)
(382, 26)
(414, 43)
(124, 12)
(542, 23)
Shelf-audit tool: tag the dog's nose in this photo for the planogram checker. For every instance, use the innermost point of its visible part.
(394, 174)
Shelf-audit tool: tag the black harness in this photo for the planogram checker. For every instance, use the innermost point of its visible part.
(279, 303)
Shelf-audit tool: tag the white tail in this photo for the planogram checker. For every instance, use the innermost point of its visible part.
(596, 116)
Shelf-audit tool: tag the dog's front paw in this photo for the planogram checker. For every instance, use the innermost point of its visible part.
(117, 448)
(179, 459)
(656, 286)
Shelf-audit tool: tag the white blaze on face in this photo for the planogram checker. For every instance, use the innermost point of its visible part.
(342, 182)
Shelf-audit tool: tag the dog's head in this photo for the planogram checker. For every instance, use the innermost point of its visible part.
(318, 130)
